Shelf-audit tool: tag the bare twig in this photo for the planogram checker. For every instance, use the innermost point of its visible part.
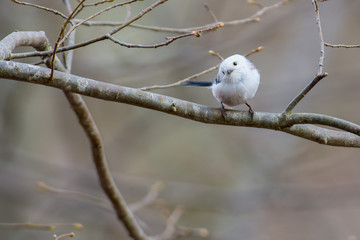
(320, 74)
(256, 17)
(252, 2)
(64, 235)
(341, 45)
(216, 54)
(258, 49)
(42, 8)
(214, 18)
(97, 3)
(191, 232)
(110, 92)
(167, 42)
(73, 13)
(68, 56)
(171, 222)
(147, 200)
(128, 13)
(178, 83)
(174, 230)
(74, 194)
(138, 16)
(92, 17)
(94, 40)
(130, 22)
(303, 93)
(39, 226)
(322, 43)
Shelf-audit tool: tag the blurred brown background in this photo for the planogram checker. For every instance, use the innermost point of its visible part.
(239, 183)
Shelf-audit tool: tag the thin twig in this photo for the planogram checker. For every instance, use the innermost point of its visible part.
(68, 56)
(256, 17)
(27, 225)
(322, 43)
(130, 23)
(171, 222)
(60, 36)
(64, 235)
(128, 13)
(39, 226)
(149, 198)
(42, 8)
(98, 39)
(178, 83)
(252, 2)
(174, 230)
(182, 231)
(168, 39)
(74, 194)
(138, 16)
(92, 17)
(94, 40)
(214, 18)
(216, 54)
(320, 74)
(97, 3)
(341, 45)
(303, 93)
(258, 49)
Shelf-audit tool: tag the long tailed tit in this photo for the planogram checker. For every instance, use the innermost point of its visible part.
(236, 82)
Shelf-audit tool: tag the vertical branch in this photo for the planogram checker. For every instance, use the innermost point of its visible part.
(320, 73)
(322, 42)
(106, 180)
(60, 36)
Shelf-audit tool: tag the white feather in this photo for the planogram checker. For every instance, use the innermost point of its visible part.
(237, 81)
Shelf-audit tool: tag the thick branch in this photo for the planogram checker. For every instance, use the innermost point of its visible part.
(111, 92)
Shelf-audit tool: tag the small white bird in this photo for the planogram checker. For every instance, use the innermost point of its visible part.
(236, 82)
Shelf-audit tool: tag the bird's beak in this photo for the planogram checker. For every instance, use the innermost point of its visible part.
(229, 71)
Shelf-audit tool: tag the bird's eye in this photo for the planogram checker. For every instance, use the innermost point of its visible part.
(223, 72)
(234, 63)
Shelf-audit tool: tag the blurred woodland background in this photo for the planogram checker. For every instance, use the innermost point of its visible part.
(239, 183)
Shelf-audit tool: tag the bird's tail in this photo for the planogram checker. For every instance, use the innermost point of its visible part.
(197, 84)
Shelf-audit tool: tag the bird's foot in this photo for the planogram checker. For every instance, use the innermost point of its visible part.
(250, 110)
(222, 110)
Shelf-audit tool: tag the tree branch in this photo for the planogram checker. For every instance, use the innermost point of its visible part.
(39, 41)
(303, 93)
(110, 92)
(190, 31)
(320, 73)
